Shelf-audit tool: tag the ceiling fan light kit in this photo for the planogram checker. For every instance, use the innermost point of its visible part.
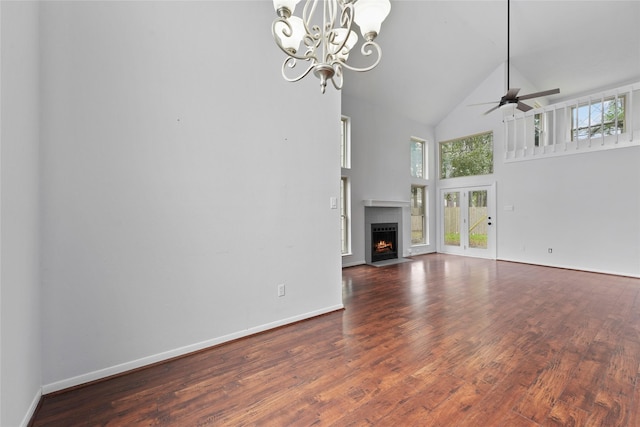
(325, 41)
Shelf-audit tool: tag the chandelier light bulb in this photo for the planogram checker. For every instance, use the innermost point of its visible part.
(290, 37)
(340, 35)
(369, 15)
(285, 8)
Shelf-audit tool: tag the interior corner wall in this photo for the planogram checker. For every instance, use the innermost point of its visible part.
(20, 333)
(381, 170)
(182, 181)
(585, 207)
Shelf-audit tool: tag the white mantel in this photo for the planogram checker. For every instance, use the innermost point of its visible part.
(386, 203)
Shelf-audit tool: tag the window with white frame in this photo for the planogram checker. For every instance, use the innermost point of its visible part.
(344, 215)
(538, 128)
(345, 164)
(418, 215)
(345, 142)
(599, 118)
(418, 158)
(468, 156)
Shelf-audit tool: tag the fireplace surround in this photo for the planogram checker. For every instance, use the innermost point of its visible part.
(383, 212)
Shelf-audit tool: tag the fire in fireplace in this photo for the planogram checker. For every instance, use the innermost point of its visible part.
(384, 241)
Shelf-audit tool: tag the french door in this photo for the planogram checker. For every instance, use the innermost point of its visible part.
(467, 221)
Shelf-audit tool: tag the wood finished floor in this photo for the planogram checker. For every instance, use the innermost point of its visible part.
(440, 341)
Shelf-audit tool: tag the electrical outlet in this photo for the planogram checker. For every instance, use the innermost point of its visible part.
(281, 290)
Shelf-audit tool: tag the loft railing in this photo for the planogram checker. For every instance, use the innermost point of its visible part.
(601, 121)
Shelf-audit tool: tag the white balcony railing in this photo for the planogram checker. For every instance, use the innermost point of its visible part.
(583, 124)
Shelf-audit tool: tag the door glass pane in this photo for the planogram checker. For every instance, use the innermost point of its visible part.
(478, 219)
(451, 205)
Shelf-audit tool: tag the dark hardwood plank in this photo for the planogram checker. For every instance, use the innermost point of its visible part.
(441, 340)
(566, 415)
(544, 392)
(496, 404)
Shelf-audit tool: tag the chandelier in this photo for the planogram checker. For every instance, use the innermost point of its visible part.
(325, 42)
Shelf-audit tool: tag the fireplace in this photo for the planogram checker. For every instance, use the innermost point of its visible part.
(384, 241)
(379, 215)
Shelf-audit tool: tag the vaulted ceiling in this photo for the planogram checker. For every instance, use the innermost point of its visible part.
(436, 52)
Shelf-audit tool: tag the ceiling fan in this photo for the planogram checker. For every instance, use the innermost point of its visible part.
(511, 97)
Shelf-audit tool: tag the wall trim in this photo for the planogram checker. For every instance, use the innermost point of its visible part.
(386, 203)
(568, 149)
(353, 263)
(181, 351)
(32, 409)
(575, 268)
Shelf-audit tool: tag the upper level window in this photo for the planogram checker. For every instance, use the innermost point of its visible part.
(345, 142)
(598, 119)
(538, 128)
(468, 156)
(594, 122)
(418, 158)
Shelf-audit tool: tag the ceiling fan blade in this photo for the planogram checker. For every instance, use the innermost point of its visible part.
(537, 94)
(512, 93)
(524, 107)
(492, 109)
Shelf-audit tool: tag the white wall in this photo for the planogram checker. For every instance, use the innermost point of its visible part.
(380, 169)
(183, 179)
(20, 335)
(585, 207)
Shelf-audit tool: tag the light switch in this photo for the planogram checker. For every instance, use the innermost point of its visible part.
(333, 202)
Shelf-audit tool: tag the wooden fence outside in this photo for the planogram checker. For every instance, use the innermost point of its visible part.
(477, 219)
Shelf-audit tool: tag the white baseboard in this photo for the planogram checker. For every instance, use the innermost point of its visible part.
(353, 263)
(139, 363)
(32, 409)
(572, 267)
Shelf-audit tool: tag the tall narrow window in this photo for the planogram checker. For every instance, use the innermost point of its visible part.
(344, 215)
(418, 216)
(345, 142)
(418, 159)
